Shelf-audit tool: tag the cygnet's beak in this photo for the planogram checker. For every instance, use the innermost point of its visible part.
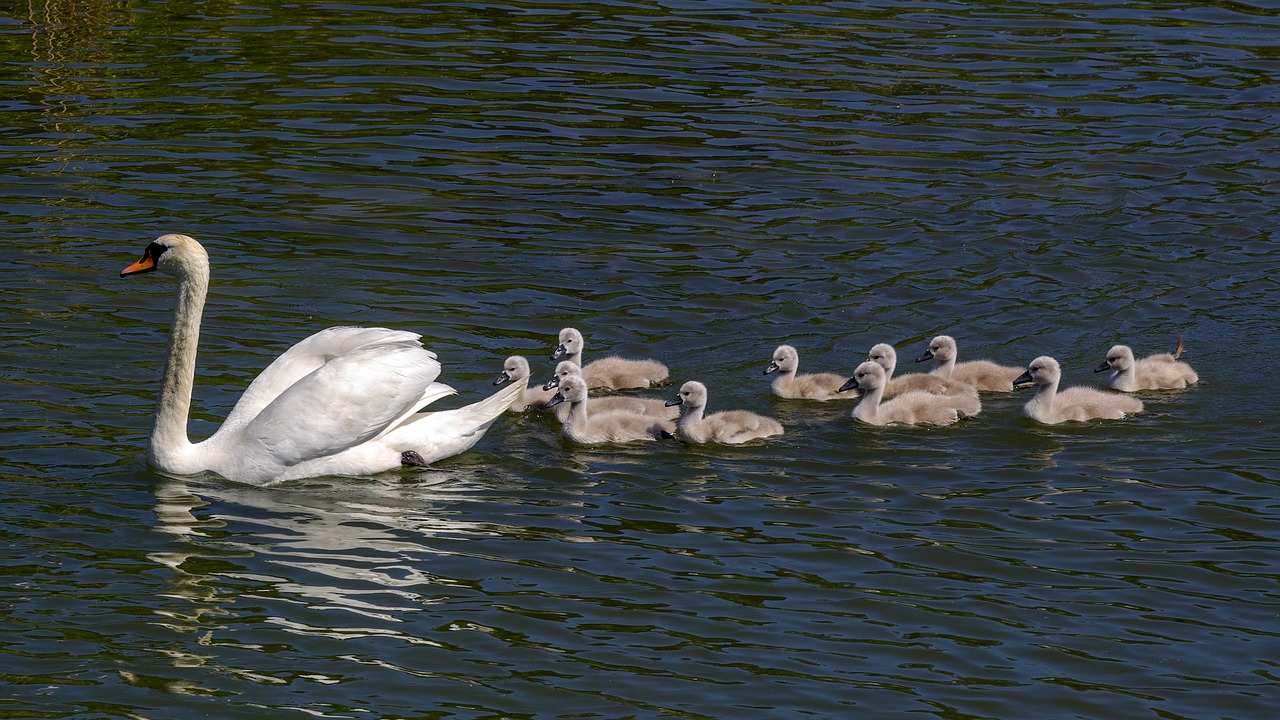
(773, 367)
(1104, 366)
(926, 355)
(1023, 380)
(502, 377)
(850, 384)
(560, 352)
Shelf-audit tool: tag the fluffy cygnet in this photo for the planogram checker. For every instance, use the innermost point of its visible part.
(886, 357)
(608, 403)
(516, 369)
(726, 426)
(609, 373)
(1076, 403)
(914, 407)
(1154, 372)
(983, 375)
(809, 386)
(588, 427)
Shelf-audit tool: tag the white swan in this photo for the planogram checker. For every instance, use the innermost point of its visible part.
(914, 407)
(808, 386)
(1076, 403)
(1154, 372)
(886, 357)
(585, 426)
(726, 426)
(983, 375)
(608, 403)
(342, 402)
(516, 370)
(609, 373)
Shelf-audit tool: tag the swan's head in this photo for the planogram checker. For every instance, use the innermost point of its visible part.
(869, 376)
(1119, 359)
(565, 369)
(570, 343)
(572, 390)
(515, 368)
(941, 348)
(785, 358)
(174, 254)
(1042, 371)
(884, 356)
(693, 394)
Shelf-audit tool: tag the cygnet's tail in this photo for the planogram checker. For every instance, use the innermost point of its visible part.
(1181, 347)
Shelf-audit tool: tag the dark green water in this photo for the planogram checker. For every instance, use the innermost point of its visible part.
(693, 181)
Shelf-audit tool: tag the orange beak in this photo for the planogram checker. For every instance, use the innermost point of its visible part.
(146, 263)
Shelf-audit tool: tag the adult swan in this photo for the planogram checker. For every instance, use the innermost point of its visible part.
(344, 401)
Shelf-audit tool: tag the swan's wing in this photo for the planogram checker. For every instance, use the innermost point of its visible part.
(346, 402)
(304, 358)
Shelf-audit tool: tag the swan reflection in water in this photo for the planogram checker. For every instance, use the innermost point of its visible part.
(358, 546)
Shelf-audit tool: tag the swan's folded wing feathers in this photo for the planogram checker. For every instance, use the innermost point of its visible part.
(308, 355)
(345, 402)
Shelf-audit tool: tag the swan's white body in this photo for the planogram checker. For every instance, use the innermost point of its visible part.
(727, 426)
(808, 386)
(886, 357)
(1076, 403)
(983, 375)
(914, 407)
(1154, 372)
(608, 403)
(516, 370)
(589, 428)
(608, 373)
(344, 401)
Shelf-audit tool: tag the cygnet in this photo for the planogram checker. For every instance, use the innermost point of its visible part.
(886, 357)
(587, 427)
(1076, 403)
(609, 373)
(608, 403)
(809, 386)
(726, 426)
(516, 370)
(983, 375)
(1154, 372)
(910, 408)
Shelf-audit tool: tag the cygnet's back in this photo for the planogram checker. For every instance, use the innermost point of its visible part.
(909, 408)
(608, 403)
(588, 427)
(807, 386)
(1154, 372)
(886, 357)
(516, 370)
(727, 426)
(983, 375)
(1076, 403)
(609, 373)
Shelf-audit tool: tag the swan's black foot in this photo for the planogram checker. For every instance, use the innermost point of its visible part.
(409, 458)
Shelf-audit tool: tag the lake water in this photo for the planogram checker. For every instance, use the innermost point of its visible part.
(697, 182)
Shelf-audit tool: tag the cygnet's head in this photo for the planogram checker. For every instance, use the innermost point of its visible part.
(1119, 359)
(572, 389)
(692, 395)
(885, 356)
(173, 254)
(785, 359)
(570, 343)
(941, 348)
(869, 376)
(563, 370)
(516, 368)
(1042, 371)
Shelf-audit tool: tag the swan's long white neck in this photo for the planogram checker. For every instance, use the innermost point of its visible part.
(1046, 393)
(946, 367)
(170, 449)
(692, 414)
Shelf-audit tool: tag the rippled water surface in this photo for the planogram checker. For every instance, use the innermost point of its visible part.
(697, 182)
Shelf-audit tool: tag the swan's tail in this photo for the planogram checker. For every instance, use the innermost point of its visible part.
(444, 433)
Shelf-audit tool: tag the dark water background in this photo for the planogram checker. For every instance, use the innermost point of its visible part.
(693, 181)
